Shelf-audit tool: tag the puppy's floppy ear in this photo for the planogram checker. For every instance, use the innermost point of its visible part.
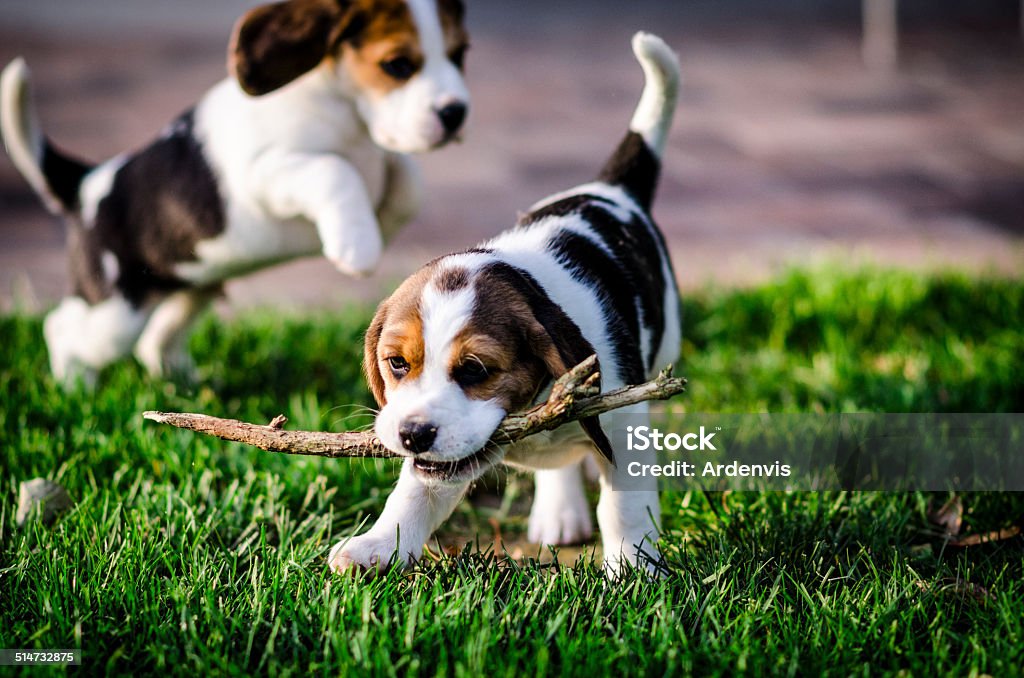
(276, 43)
(560, 345)
(371, 365)
(558, 342)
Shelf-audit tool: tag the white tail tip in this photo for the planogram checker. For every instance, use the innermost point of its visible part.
(653, 117)
(20, 128)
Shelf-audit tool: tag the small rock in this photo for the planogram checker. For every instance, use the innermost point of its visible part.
(51, 498)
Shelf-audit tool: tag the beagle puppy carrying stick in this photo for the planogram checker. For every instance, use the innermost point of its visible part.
(475, 335)
(301, 152)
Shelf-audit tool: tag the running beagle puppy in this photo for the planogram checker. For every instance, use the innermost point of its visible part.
(475, 335)
(300, 152)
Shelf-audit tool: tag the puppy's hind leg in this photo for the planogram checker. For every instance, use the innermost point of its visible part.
(162, 346)
(560, 513)
(83, 339)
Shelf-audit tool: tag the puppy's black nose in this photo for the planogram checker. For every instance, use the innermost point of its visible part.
(417, 436)
(452, 117)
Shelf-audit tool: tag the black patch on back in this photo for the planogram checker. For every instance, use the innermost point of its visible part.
(162, 202)
(634, 167)
(590, 264)
(63, 174)
(640, 253)
(634, 271)
(564, 207)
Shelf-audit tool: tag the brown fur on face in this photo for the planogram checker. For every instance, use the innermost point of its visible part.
(514, 373)
(396, 330)
(276, 43)
(386, 31)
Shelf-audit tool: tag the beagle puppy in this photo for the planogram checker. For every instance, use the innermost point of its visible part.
(300, 152)
(475, 335)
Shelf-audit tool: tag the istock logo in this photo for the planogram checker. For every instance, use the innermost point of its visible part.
(642, 438)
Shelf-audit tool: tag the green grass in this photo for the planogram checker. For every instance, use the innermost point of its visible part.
(187, 555)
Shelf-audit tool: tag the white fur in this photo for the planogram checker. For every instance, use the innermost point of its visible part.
(623, 207)
(111, 268)
(628, 511)
(313, 182)
(95, 186)
(82, 339)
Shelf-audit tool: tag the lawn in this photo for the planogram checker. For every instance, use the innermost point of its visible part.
(187, 555)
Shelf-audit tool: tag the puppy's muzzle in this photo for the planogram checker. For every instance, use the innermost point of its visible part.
(417, 435)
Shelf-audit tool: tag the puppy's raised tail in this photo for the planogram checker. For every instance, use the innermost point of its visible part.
(54, 176)
(636, 162)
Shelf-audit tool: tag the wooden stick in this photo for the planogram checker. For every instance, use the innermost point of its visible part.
(573, 396)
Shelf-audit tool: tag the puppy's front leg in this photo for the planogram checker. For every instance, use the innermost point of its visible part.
(412, 513)
(328, 191)
(628, 512)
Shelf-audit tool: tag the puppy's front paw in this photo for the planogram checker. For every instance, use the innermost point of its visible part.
(365, 552)
(355, 254)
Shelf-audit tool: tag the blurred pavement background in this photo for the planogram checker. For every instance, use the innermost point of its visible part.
(786, 150)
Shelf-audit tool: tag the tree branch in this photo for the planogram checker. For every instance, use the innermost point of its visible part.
(573, 396)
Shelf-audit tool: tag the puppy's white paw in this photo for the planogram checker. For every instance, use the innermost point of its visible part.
(63, 327)
(356, 254)
(559, 523)
(365, 552)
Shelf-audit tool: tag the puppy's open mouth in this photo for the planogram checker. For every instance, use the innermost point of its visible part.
(461, 469)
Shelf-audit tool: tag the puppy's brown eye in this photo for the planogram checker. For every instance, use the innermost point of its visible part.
(470, 373)
(458, 56)
(399, 68)
(399, 366)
